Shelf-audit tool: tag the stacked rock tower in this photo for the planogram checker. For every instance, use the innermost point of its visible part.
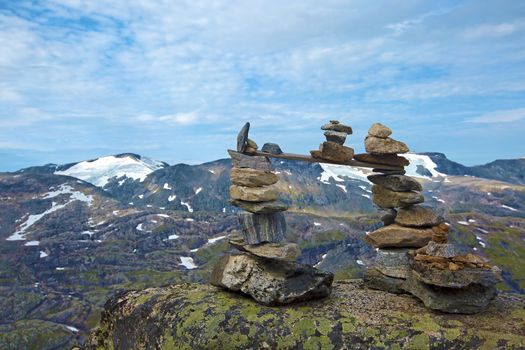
(413, 253)
(265, 269)
(333, 148)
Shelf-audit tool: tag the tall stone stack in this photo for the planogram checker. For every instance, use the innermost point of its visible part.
(413, 253)
(266, 268)
(333, 149)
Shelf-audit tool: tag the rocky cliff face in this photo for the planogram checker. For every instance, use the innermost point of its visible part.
(196, 316)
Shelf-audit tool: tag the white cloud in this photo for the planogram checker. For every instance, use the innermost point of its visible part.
(499, 117)
(486, 31)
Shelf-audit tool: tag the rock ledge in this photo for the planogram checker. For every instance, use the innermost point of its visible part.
(197, 316)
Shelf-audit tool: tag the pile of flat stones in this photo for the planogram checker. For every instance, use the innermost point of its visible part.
(413, 253)
(333, 149)
(265, 269)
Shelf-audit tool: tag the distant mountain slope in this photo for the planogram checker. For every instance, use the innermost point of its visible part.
(507, 170)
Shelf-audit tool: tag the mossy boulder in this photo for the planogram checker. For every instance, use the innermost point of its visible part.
(197, 316)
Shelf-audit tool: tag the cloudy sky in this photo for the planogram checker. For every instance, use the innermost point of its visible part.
(175, 80)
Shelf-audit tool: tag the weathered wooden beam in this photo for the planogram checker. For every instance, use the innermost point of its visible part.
(310, 159)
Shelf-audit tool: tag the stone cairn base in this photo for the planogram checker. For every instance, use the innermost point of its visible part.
(413, 253)
(265, 269)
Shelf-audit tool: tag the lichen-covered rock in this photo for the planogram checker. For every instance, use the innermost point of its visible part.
(271, 282)
(336, 153)
(278, 251)
(196, 316)
(386, 159)
(272, 148)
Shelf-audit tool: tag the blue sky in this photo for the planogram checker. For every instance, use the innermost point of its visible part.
(176, 80)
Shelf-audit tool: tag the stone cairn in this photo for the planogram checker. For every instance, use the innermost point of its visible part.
(413, 253)
(333, 148)
(266, 268)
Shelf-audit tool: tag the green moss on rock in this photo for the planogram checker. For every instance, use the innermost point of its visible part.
(196, 316)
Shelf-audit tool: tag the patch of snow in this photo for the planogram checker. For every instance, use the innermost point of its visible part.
(336, 172)
(198, 190)
(101, 170)
(149, 206)
(139, 227)
(72, 329)
(509, 208)
(190, 219)
(317, 224)
(482, 230)
(276, 172)
(87, 233)
(359, 262)
(187, 262)
(173, 237)
(121, 182)
(60, 268)
(32, 243)
(288, 172)
(194, 250)
(43, 254)
(320, 261)
(141, 196)
(115, 212)
(163, 215)
(167, 186)
(475, 249)
(187, 205)
(211, 171)
(481, 243)
(32, 219)
(424, 161)
(343, 187)
(154, 221)
(281, 162)
(172, 198)
(213, 240)
(471, 220)
(438, 199)
(365, 195)
(464, 223)
(224, 210)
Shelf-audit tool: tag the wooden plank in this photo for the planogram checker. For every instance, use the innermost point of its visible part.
(305, 158)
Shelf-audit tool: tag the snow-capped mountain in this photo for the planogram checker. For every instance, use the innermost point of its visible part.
(120, 167)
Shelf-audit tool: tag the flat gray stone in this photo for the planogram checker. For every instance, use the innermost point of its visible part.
(470, 300)
(253, 194)
(334, 125)
(393, 262)
(240, 160)
(374, 279)
(278, 251)
(271, 282)
(442, 250)
(335, 136)
(260, 228)
(260, 207)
